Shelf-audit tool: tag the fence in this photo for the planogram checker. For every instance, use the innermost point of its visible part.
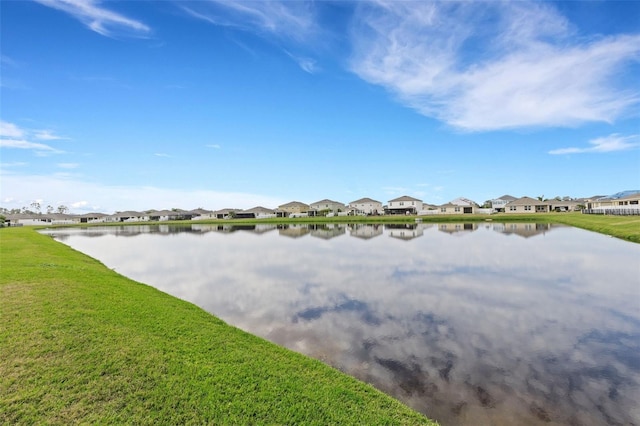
(613, 211)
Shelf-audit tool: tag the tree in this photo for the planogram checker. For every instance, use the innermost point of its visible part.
(49, 209)
(62, 209)
(36, 206)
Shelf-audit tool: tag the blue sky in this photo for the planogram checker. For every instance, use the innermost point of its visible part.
(119, 105)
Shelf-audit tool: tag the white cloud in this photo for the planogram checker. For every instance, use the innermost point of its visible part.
(10, 130)
(12, 136)
(293, 20)
(611, 143)
(39, 148)
(308, 65)
(68, 165)
(161, 154)
(97, 18)
(527, 69)
(19, 190)
(47, 135)
(214, 146)
(286, 21)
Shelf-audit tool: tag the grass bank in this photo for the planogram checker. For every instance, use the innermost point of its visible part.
(80, 343)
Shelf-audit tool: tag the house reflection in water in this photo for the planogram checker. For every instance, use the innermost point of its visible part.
(328, 230)
(525, 230)
(406, 231)
(457, 228)
(365, 231)
(293, 231)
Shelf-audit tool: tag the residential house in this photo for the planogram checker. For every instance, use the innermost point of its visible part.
(293, 209)
(92, 217)
(366, 206)
(129, 216)
(258, 212)
(221, 214)
(404, 205)
(625, 202)
(498, 204)
(459, 206)
(326, 206)
(527, 205)
(39, 219)
(562, 205)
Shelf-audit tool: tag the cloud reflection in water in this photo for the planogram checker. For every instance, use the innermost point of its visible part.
(490, 328)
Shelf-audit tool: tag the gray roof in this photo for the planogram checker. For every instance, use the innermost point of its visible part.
(527, 201)
(258, 209)
(327, 201)
(364, 201)
(294, 204)
(405, 198)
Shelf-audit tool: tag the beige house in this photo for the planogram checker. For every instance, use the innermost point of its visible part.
(458, 206)
(404, 205)
(527, 205)
(330, 205)
(294, 207)
(366, 206)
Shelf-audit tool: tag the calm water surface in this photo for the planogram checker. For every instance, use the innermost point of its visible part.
(471, 324)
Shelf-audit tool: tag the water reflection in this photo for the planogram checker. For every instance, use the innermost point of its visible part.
(509, 324)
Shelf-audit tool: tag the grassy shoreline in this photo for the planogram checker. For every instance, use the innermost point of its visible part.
(80, 343)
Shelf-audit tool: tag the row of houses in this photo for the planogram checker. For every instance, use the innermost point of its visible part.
(626, 202)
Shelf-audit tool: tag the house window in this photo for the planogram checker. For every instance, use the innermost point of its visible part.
(457, 209)
(443, 209)
(512, 208)
(527, 208)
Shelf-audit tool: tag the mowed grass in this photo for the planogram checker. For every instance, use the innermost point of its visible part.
(81, 344)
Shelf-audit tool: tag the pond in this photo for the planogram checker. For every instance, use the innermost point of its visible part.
(470, 324)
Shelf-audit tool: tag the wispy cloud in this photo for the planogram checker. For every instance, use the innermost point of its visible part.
(611, 143)
(162, 154)
(289, 19)
(213, 145)
(287, 22)
(12, 136)
(47, 135)
(97, 18)
(307, 64)
(39, 148)
(68, 165)
(526, 69)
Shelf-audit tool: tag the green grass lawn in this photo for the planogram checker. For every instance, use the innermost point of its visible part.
(81, 344)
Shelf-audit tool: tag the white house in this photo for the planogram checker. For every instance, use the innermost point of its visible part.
(498, 204)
